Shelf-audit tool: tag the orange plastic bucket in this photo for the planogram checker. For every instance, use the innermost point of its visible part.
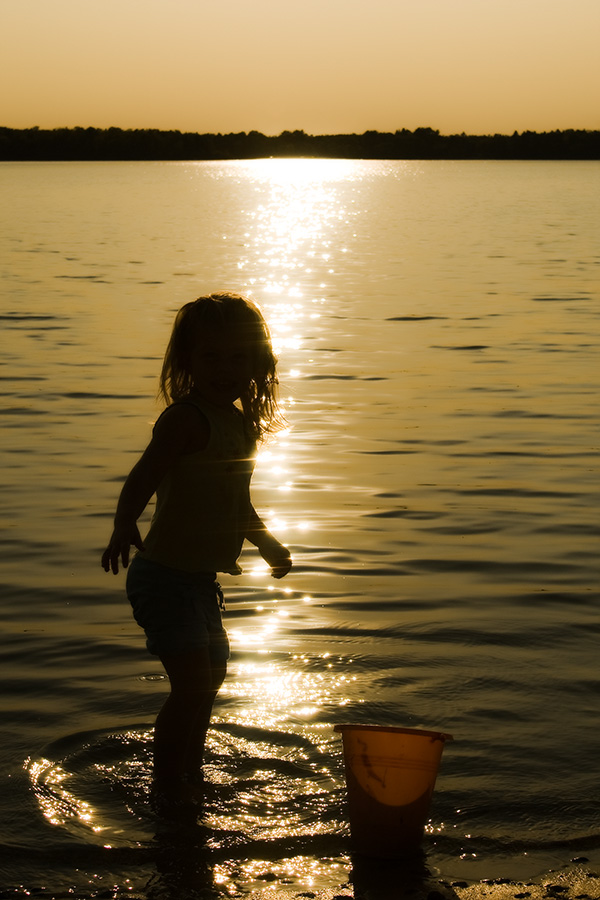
(390, 777)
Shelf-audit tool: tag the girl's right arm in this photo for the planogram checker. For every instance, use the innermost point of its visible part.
(179, 430)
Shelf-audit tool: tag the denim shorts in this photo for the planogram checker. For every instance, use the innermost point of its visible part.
(179, 611)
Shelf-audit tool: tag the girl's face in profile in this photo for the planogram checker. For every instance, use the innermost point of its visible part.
(222, 364)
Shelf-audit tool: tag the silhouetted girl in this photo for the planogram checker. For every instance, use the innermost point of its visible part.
(219, 376)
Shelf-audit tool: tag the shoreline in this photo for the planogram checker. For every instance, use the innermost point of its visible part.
(574, 881)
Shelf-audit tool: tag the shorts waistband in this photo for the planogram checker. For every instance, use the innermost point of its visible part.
(191, 577)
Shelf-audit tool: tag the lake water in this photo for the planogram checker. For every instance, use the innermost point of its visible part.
(438, 328)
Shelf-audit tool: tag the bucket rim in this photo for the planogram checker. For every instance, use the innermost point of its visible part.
(394, 729)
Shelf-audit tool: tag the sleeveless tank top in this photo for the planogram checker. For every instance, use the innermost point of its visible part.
(202, 503)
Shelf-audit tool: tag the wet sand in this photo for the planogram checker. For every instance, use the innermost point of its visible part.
(573, 882)
(579, 882)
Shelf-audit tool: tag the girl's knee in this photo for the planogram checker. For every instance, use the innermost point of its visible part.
(192, 695)
(218, 673)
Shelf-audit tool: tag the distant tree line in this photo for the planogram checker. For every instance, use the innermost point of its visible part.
(422, 143)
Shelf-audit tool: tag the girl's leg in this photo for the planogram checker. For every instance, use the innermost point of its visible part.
(195, 753)
(182, 722)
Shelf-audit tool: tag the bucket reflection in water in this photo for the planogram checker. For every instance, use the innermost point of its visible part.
(390, 777)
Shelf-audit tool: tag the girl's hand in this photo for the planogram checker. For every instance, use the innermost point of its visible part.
(123, 537)
(276, 555)
(273, 553)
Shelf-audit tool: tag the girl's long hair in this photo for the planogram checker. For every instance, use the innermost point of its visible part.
(225, 310)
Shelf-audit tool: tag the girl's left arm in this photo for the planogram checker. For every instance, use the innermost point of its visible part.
(272, 551)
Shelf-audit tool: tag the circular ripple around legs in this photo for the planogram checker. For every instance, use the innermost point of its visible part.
(94, 784)
(276, 788)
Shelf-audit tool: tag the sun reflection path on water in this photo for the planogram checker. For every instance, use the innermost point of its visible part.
(294, 235)
(300, 225)
(297, 691)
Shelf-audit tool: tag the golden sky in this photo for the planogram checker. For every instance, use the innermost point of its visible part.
(324, 66)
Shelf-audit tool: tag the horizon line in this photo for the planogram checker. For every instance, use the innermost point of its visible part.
(425, 130)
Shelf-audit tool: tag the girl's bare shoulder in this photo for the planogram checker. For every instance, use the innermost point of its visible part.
(184, 424)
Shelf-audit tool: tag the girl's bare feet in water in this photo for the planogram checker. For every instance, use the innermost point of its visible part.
(195, 787)
(176, 798)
